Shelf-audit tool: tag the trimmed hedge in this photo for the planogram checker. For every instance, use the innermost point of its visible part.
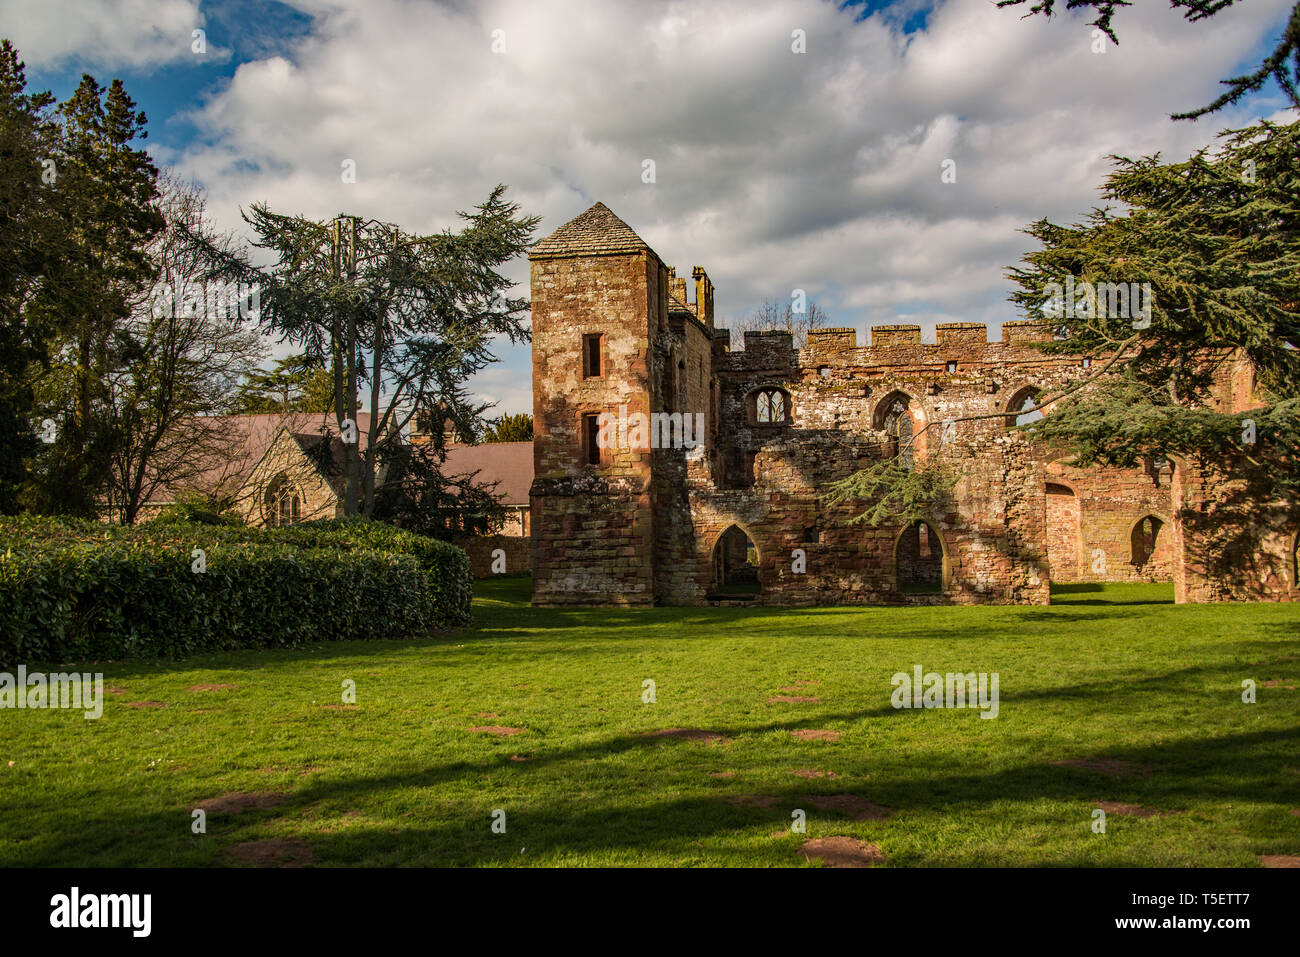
(72, 589)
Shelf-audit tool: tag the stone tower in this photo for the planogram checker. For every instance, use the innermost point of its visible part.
(599, 295)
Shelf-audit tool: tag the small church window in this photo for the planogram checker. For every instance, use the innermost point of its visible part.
(283, 502)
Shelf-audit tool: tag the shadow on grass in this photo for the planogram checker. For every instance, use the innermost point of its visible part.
(1166, 777)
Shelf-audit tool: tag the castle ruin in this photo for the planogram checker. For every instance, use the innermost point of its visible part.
(740, 516)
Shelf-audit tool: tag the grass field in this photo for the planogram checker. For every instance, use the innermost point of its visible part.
(1140, 697)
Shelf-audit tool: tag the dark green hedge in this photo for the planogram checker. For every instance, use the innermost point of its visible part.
(71, 590)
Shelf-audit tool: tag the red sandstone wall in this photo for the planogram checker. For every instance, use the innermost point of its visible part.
(518, 553)
(1110, 503)
(592, 526)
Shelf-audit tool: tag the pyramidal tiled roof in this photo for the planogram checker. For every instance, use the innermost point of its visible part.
(595, 232)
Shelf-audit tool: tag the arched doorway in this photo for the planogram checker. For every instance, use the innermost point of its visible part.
(1063, 532)
(735, 565)
(1143, 540)
(920, 560)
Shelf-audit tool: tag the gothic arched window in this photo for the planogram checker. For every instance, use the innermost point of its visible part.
(894, 417)
(771, 407)
(283, 502)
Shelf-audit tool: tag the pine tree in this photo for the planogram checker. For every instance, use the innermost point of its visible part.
(409, 316)
(510, 428)
(31, 231)
(292, 384)
(1216, 239)
(108, 196)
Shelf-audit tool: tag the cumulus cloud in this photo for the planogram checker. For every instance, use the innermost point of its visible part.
(114, 33)
(774, 170)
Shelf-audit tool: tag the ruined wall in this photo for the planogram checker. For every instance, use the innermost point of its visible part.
(1110, 502)
(642, 524)
(992, 536)
(1065, 554)
(1236, 544)
(684, 383)
(990, 532)
(1236, 541)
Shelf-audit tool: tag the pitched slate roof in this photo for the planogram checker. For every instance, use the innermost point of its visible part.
(595, 232)
(507, 465)
(248, 439)
(676, 305)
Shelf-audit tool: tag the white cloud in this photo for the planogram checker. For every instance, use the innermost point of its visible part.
(775, 170)
(116, 33)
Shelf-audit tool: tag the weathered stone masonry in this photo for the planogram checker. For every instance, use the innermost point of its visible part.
(613, 333)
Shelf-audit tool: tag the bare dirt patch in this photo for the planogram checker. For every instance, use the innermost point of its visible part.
(237, 802)
(144, 704)
(1279, 860)
(841, 852)
(518, 757)
(852, 805)
(487, 714)
(1111, 767)
(690, 734)
(1277, 683)
(810, 773)
(114, 691)
(812, 734)
(212, 687)
(793, 699)
(275, 852)
(499, 730)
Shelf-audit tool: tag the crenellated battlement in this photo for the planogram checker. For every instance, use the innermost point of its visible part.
(965, 343)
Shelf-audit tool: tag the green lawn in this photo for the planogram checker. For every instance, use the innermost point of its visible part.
(1117, 675)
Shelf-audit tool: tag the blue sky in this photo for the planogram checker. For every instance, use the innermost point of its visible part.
(776, 170)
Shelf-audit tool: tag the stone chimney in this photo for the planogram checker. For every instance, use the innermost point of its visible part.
(703, 296)
(677, 287)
